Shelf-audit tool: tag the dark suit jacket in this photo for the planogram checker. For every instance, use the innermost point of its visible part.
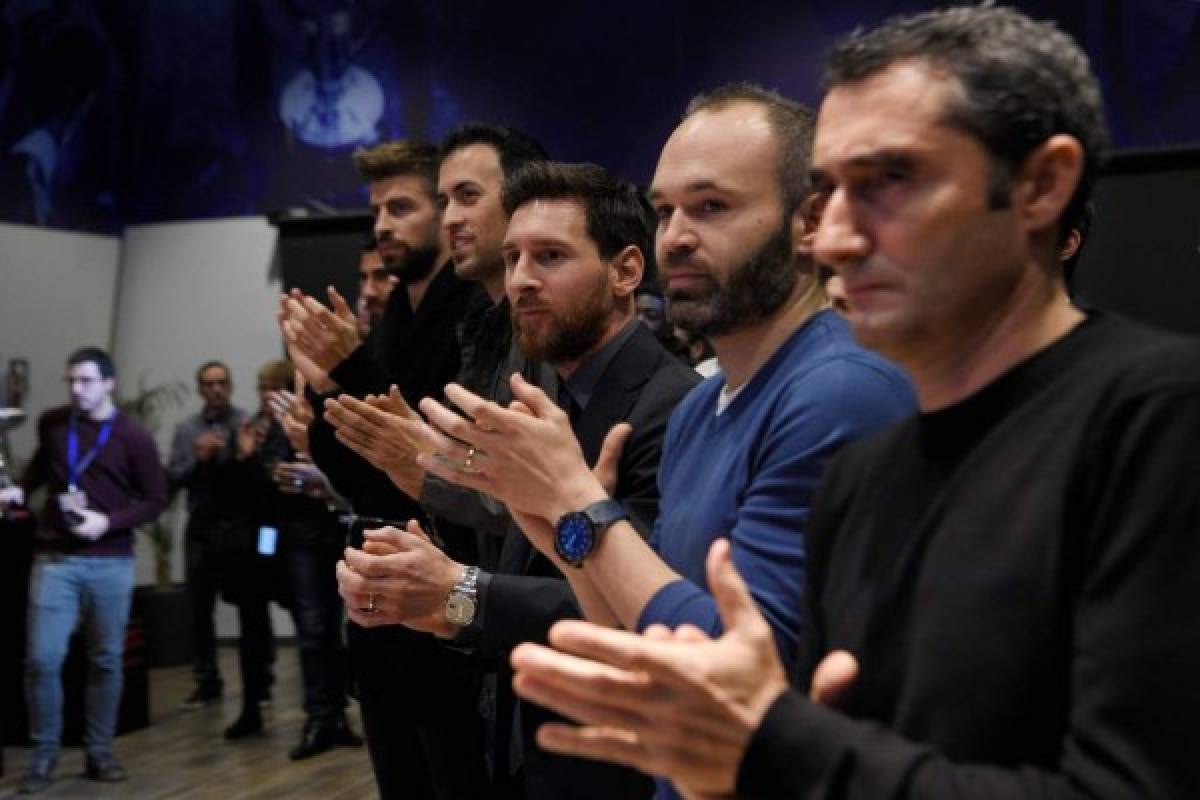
(641, 386)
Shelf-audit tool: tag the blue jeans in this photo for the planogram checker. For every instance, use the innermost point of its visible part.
(65, 592)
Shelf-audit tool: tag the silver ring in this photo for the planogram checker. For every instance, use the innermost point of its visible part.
(469, 461)
(298, 482)
(370, 607)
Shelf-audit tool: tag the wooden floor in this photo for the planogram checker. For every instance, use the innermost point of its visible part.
(183, 755)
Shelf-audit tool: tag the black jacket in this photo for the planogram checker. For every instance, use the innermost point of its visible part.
(641, 386)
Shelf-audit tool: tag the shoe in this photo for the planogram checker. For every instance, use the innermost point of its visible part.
(39, 777)
(105, 769)
(344, 735)
(317, 738)
(320, 737)
(202, 696)
(246, 725)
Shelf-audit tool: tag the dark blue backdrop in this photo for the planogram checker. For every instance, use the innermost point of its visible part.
(115, 111)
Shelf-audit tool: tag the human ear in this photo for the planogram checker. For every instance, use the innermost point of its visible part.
(804, 223)
(1046, 182)
(628, 267)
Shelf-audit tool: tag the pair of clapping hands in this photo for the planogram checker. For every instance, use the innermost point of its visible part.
(677, 703)
(318, 338)
(524, 454)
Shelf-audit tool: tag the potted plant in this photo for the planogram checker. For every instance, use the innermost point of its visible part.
(164, 608)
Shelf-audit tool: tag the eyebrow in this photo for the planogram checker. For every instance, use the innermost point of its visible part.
(539, 241)
(692, 188)
(875, 160)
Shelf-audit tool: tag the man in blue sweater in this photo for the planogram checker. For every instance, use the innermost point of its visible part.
(744, 451)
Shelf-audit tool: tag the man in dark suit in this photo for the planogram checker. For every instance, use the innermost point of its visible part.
(414, 345)
(575, 251)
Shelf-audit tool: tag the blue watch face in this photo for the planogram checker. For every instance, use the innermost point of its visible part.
(574, 537)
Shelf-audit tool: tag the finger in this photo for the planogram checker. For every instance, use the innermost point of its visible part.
(450, 423)
(690, 633)
(533, 397)
(358, 445)
(399, 404)
(452, 472)
(659, 632)
(478, 409)
(414, 529)
(379, 548)
(609, 744)
(296, 311)
(584, 702)
(738, 609)
(344, 412)
(622, 649)
(364, 619)
(608, 462)
(314, 307)
(350, 584)
(833, 677)
(400, 541)
(378, 418)
(339, 305)
(366, 565)
(301, 383)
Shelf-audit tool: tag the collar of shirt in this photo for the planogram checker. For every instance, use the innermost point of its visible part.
(582, 383)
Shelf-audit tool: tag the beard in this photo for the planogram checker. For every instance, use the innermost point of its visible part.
(753, 291)
(415, 265)
(569, 335)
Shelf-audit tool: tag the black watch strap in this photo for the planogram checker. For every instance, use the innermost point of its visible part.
(605, 513)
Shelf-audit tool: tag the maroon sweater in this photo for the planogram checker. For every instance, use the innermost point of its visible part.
(124, 481)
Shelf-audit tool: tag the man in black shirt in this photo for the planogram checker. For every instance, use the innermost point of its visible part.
(414, 345)
(1000, 587)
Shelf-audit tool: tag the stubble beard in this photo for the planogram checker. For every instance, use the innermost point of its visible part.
(571, 334)
(754, 290)
(415, 265)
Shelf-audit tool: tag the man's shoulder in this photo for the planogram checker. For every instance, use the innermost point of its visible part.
(54, 418)
(1140, 357)
(190, 423)
(645, 364)
(133, 429)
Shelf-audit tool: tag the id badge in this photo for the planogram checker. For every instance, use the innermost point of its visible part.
(72, 500)
(267, 537)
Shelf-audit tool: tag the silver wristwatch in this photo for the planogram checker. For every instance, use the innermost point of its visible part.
(462, 602)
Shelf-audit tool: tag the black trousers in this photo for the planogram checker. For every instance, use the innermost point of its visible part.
(207, 578)
(317, 614)
(203, 580)
(419, 704)
(256, 642)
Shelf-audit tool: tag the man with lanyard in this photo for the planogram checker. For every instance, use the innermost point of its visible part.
(104, 479)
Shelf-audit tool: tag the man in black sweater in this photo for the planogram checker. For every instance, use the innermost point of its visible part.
(999, 586)
(414, 345)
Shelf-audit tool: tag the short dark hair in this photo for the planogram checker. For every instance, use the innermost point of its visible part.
(616, 211)
(396, 158)
(791, 122)
(1022, 81)
(209, 365)
(513, 148)
(279, 373)
(95, 355)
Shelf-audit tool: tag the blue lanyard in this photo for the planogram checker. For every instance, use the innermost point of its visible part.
(75, 470)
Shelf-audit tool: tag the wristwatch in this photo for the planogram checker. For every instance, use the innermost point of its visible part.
(577, 532)
(463, 601)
